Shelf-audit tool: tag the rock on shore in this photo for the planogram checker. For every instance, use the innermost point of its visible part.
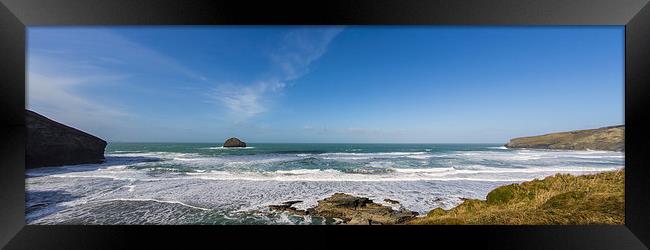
(607, 138)
(352, 210)
(234, 142)
(50, 143)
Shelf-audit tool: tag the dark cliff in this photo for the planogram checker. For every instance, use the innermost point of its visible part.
(50, 143)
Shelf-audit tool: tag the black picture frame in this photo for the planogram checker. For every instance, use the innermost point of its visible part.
(15, 15)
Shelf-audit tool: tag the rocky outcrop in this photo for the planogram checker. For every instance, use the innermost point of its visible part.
(234, 142)
(607, 138)
(50, 143)
(352, 210)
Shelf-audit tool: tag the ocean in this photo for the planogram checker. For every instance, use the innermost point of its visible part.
(204, 183)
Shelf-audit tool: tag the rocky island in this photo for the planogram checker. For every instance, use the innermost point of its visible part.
(234, 143)
(50, 143)
(607, 138)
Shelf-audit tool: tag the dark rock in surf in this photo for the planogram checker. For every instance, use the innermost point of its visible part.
(287, 207)
(290, 203)
(233, 143)
(391, 201)
(347, 201)
(50, 143)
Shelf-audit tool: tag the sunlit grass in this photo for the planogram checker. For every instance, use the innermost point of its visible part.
(559, 199)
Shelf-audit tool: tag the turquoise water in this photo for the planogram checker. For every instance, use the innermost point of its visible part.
(204, 183)
(349, 158)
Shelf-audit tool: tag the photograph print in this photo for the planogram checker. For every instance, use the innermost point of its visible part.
(325, 125)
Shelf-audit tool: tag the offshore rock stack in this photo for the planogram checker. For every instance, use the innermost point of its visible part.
(234, 143)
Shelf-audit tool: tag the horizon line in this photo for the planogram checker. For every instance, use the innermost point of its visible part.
(318, 142)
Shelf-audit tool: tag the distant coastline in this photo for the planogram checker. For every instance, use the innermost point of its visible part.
(607, 138)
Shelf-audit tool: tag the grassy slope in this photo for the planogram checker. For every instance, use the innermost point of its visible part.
(559, 199)
(608, 138)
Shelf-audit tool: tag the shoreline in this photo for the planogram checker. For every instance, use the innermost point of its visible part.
(134, 176)
(392, 210)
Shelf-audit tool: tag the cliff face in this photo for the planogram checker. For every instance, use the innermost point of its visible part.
(607, 138)
(50, 143)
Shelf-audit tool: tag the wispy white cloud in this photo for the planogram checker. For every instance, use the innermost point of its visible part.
(61, 65)
(58, 96)
(100, 48)
(246, 101)
(299, 48)
(83, 58)
(295, 52)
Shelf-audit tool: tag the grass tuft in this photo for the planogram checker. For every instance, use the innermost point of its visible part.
(558, 199)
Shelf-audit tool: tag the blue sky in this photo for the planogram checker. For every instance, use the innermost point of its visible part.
(411, 84)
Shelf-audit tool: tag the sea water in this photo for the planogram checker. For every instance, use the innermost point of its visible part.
(203, 183)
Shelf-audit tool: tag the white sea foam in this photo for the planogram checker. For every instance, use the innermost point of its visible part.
(366, 156)
(155, 200)
(383, 170)
(396, 174)
(162, 155)
(237, 196)
(228, 148)
(530, 155)
(327, 175)
(423, 170)
(130, 187)
(232, 184)
(382, 164)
